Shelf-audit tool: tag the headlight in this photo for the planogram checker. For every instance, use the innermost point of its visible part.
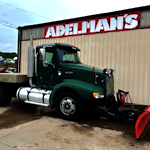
(98, 95)
(107, 71)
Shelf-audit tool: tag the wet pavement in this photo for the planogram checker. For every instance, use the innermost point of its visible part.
(26, 126)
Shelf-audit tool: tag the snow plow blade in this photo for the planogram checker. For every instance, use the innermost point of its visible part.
(142, 123)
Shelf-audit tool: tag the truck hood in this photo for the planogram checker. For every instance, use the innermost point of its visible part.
(81, 72)
(82, 67)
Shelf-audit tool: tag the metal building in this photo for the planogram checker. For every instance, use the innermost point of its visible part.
(119, 40)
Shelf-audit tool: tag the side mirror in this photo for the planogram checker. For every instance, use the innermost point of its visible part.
(45, 63)
(42, 54)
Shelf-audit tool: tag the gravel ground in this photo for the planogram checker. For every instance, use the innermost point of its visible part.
(24, 126)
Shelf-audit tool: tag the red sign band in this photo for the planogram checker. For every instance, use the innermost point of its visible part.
(121, 22)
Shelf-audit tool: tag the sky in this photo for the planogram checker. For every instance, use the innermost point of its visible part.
(15, 13)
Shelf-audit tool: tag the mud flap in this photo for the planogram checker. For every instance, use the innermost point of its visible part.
(142, 123)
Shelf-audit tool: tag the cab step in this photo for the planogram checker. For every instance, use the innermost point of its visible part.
(35, 103)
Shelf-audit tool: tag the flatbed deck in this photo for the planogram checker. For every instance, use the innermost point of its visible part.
(13, 77)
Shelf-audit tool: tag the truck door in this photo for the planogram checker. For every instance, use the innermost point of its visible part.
(47, 74)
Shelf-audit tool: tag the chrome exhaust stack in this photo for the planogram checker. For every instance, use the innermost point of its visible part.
(30, 74)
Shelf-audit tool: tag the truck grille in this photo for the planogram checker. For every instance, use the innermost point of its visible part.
(109, 85)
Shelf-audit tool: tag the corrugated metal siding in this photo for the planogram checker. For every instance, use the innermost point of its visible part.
(127, 52)
(37, 33)
(145, 19)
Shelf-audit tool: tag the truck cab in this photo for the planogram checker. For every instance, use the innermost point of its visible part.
(59, 69)
(59, 64)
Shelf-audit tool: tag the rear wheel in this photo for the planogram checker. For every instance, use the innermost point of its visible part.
(68, 106)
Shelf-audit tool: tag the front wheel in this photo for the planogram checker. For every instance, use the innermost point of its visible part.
(68, 106)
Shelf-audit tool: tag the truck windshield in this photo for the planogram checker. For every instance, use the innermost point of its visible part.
(67, 55)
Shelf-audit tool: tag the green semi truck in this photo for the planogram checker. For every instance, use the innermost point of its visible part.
(57, 78)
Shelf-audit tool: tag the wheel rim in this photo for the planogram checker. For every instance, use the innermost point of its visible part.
(68, 106)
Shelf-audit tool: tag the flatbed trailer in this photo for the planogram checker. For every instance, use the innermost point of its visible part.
(14, 78)
(9, 84)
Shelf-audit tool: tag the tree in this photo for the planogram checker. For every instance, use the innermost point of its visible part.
(8, 55)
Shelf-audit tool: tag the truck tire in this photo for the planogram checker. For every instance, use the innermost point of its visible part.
(5, 96)
(68, 106)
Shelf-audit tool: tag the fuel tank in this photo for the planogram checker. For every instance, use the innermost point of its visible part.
(33, 95)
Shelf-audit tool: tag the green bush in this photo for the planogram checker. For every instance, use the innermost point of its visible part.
(8, 55)
(7, 65)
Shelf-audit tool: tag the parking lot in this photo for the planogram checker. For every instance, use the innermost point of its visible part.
(24, 126)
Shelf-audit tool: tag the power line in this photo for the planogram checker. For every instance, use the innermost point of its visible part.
(9, 25)
(23, 10)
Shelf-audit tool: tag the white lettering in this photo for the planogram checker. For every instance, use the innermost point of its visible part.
(131, 22)
(113, 23)
(75, 28)
(99, 26)
(120, 22)
(105, 24)
(90, 25)
(79, 32)
(70, 29)
(57, 31)
(50, 32)
(61, 30)
(84, 27)
(67, 29)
